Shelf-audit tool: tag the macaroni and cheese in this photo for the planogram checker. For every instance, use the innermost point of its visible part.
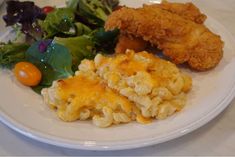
(118, 89)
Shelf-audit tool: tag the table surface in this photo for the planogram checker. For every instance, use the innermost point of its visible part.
(215, 138)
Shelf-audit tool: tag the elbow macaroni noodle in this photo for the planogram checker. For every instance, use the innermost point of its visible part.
(119, 89)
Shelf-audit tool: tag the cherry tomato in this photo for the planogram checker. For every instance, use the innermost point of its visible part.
(47, 9)
(27, 73)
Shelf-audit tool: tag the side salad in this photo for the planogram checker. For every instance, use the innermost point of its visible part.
(55, 39)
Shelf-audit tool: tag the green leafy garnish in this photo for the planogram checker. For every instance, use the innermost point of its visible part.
(64, 37)
(95, 12)
(80, 47)
(11, 53)
(72, 4)
(105, 41)
(54, 63)
(39, 88)
(82, 29)
(60, 21)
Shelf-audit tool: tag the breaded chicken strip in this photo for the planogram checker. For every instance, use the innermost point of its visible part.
(180, 39)
(186, 10)
(130, 42)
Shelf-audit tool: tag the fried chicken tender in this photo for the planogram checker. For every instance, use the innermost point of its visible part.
(186, 10)
(183, 41)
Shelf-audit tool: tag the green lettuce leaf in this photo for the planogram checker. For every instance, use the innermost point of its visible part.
(60, 21)
(80, 47)
(72, 4)
(105, 41)
(11, 53)
(82, 29)
(54, 61)
(92, 12)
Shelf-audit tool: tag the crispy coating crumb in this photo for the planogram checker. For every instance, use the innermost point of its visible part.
(187, 11)
(182, 40)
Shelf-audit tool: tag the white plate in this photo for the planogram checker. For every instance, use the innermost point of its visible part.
(24, 111)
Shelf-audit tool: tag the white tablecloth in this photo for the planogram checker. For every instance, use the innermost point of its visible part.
(215, 138)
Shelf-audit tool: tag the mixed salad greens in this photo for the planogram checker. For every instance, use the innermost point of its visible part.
(57, 39)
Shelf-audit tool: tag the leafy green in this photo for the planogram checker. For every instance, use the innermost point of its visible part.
(11, 53)
(60, 21)
(105, 41)
(82, 29)
(111, 3)
(72, 4)
(88, 45)
(94, 12)
(18, 32)
(80, 47)
(54, 63)
(39, 88)
(24, 15)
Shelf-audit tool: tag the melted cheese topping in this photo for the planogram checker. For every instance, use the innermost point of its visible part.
(84, 92)
(156, 86)
(121, 88)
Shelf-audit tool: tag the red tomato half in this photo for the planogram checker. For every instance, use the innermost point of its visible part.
(47, 9)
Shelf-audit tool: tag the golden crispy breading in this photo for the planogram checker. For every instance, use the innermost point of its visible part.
(180, 39)
(186, 10)
(129, 42)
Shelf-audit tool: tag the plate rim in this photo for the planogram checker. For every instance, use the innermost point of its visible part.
(88, 145)
(48, 139)
(101, 146)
